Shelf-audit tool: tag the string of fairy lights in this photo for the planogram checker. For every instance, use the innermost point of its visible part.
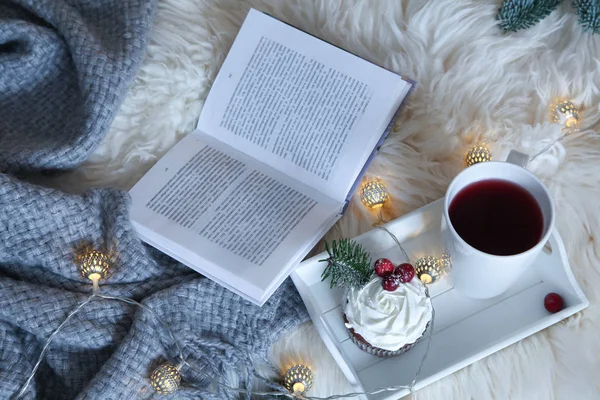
(299, 378)
(166, 378)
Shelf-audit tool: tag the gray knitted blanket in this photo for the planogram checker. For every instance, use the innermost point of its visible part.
(65, 66)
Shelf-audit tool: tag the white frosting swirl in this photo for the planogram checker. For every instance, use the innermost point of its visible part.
(388, 320)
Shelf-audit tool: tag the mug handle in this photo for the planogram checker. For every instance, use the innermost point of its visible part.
(517, 158)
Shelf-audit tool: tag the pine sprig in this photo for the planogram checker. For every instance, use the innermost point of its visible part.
(348, 264)
(588, 12)
(515, 15)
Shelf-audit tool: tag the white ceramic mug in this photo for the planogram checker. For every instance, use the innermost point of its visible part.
(481, 275)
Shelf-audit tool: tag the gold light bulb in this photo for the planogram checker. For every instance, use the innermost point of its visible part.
(565, 113)
(94, 265)
(165, 378)
(298, 379)
(429, 269)
(374, 194)
(478, 154)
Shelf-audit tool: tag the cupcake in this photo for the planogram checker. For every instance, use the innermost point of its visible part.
(390, 313)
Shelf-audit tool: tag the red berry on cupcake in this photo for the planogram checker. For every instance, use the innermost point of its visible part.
(553, 302)
(384, 267)
(390, 283)
(406, 272)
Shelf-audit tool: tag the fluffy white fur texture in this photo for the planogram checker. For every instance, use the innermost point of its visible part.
(474, 85)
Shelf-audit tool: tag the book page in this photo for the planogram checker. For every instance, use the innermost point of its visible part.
(300, 105)
(226, 216)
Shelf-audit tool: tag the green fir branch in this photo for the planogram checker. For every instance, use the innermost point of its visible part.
(588, 12)
(348, 264)
(515, 15)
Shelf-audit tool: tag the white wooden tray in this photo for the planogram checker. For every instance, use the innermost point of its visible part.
(465, 330)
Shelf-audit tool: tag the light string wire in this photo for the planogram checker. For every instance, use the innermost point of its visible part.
(182, 361)
(48, 341)
(566, 133)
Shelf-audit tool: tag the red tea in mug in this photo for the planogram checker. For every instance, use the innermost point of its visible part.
(497, 217)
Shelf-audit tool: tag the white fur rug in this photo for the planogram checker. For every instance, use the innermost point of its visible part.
(474, 85)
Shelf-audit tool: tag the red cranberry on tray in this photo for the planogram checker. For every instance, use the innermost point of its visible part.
(553, 302)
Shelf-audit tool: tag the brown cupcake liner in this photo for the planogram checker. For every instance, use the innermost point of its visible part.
(362, 344)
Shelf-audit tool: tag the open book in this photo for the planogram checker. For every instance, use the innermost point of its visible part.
(284, 137)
